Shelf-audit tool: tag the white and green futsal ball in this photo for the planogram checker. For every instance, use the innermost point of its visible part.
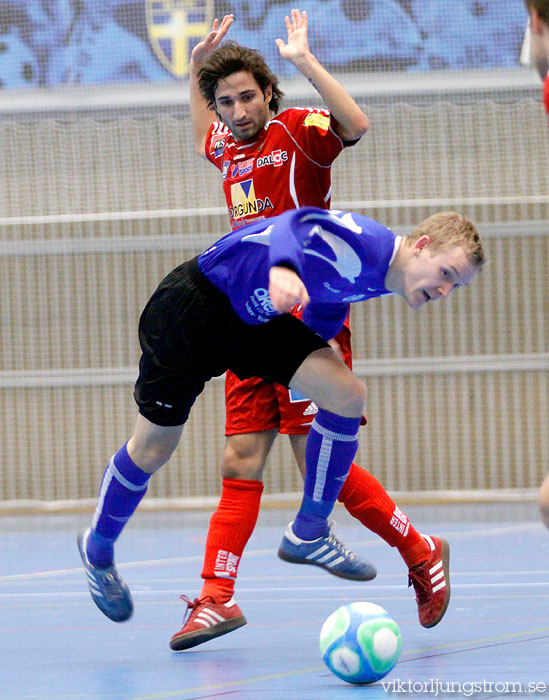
(360, 642)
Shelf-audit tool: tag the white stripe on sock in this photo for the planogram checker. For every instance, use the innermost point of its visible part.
(122, 479)
(323, 463)
(105, 483)
(331, 435)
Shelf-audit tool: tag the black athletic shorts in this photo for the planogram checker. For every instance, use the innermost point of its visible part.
(190, 333)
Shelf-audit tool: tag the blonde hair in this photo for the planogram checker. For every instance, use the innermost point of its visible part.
(447, 229)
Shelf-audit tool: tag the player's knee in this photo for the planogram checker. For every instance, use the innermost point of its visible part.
(152, 455)
(350, 399)
(241, 458)
(359, 393)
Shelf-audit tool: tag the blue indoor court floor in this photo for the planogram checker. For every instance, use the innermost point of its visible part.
(56, 645)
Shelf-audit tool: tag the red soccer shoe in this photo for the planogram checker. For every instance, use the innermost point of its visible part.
(431, 581)
(207, 620)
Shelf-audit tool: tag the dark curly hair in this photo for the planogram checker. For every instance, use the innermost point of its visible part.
(231, 58)
(542, 7)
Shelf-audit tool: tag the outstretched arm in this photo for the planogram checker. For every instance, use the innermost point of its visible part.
(202, 116)
(351, 122)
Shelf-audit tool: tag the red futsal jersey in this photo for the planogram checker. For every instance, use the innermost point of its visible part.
(287, 165)
(546, 94)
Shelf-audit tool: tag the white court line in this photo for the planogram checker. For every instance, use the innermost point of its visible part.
(275, 589)
(76, 600)
(243, 590)
(458, 534)
(314, 581)
(486, 532)
(127, 565)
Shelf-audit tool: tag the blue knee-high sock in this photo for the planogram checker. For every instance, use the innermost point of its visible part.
(331, 447)
(123, 486)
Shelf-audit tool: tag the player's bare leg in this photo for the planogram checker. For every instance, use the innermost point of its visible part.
(366, 500)
(151, 446)
(331, 445)
(215, 612)
(299, 446)
(245, 454)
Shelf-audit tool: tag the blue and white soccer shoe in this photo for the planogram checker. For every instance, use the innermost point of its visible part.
(108, 589)
(328, 553)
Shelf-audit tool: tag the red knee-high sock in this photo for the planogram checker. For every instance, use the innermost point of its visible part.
(231, 527)
(366, 499)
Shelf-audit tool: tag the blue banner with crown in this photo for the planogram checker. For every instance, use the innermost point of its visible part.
(62, 42)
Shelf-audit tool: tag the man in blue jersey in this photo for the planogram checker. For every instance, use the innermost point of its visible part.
(228, 309)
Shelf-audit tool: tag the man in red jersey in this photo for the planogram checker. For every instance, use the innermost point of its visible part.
(539, 42)
(271, 162)
(539, 47)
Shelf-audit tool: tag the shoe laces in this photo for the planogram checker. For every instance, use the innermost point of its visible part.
(193, 606)
(418, 577)
(111, 580)
(338, 544)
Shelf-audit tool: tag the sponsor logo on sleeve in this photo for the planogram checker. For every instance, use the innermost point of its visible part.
(217, 148)
(321, 121)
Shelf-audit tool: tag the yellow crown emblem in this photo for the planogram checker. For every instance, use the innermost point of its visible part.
(174, 27)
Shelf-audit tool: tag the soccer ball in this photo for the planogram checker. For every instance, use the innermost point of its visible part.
(360, 642)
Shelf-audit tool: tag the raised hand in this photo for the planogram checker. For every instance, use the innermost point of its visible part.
(297, 45)
(210, 43)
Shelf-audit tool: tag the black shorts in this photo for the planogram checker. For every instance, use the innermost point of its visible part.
(190, 333)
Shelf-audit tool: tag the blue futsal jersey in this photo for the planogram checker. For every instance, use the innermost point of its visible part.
(340, 257)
